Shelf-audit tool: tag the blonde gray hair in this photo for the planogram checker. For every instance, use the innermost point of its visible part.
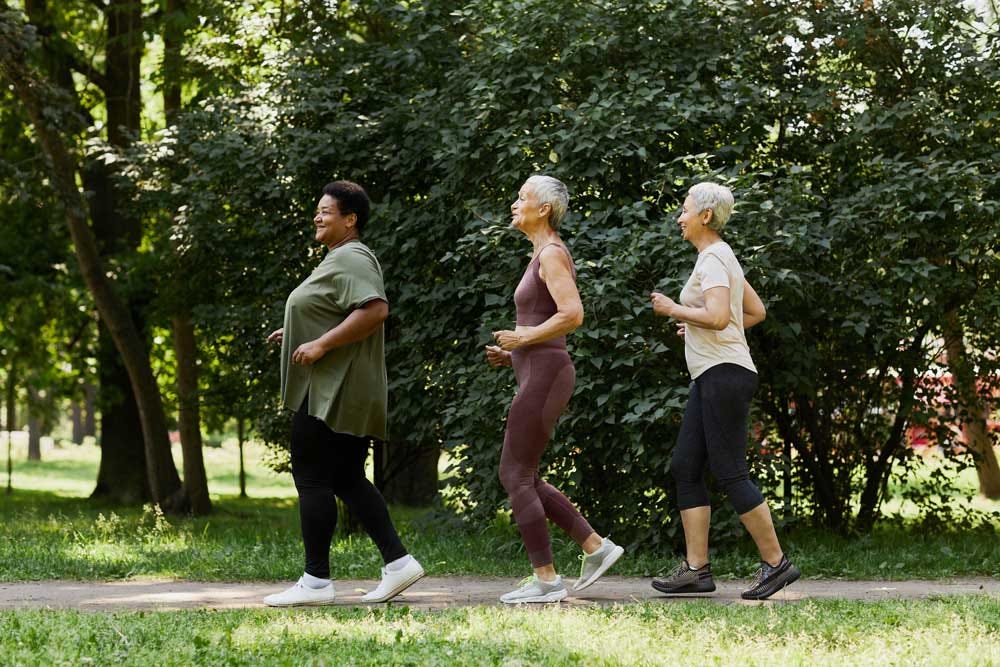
(551, 191)
(716, 198)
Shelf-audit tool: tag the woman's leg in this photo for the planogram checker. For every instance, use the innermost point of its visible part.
(533, 415)
(687, 466)
(349, 482)
(728, 390)
(311, 441)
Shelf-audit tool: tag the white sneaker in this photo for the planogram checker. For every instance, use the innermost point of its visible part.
(534, 589)
(394, 583)
(300, 594)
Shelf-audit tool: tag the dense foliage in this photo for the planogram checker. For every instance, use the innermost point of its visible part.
(861, 140)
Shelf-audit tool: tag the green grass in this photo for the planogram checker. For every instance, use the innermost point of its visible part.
(946, 631)
(51, 531)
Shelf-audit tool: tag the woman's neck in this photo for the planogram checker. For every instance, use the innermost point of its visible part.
(706, 239)
(351, 236)
(543, 237)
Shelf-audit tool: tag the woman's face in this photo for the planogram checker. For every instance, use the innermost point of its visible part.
(691, 221)
(331, 226)
(525, 211)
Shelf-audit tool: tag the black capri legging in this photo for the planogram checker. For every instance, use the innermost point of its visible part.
(326, 464)
(715, 430)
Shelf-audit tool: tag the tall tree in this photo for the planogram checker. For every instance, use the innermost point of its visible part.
(185, 340)
(54, 115)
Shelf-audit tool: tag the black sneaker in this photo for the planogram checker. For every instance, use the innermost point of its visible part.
(685, 580)
(769, 579)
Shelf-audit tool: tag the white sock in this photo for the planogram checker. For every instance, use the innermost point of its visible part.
(399, 563)
(310, 581)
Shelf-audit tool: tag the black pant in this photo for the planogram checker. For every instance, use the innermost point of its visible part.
(715, 430)
(327, 465)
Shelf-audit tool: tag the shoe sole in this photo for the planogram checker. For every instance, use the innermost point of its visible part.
(612, 558)
(687, 588)
(312, 603)
(786, 578)
(397, 590)
(539, 599)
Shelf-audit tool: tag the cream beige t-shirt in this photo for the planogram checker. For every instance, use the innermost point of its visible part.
(717, 266)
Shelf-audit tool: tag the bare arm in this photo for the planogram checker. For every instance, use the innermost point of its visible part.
(358, 325)
(714, 315)
(753, 308)
(555, 271)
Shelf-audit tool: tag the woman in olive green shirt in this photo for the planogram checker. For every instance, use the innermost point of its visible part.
(333, 376)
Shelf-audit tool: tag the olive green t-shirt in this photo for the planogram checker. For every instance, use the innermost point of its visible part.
(347, 387)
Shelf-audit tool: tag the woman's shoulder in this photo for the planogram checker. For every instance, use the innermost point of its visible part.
(352, 253)
(557, 251)
(721, 251)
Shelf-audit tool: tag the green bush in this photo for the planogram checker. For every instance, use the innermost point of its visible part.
(866, 207)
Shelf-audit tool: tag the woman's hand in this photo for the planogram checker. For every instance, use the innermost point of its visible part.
(681, 329)
(497, 357)
(662, 304)
(276, 336)
(508, 340)
(308, 353)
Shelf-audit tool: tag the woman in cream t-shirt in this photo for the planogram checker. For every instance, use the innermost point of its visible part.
(717, 304)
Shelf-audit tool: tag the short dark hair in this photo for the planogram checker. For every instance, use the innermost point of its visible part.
(351, 198)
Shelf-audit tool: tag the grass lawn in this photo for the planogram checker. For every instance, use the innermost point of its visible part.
(948, 631)
(51, 531)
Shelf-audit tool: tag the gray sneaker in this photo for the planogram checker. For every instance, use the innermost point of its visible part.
(685, 580)
(594, 565)
(534, 589)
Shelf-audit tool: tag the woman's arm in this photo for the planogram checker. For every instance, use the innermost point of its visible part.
(753, 308)
(358, 325)
(558, 277)
(714, 315)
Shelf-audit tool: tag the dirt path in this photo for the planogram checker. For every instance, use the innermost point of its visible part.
(442, 592)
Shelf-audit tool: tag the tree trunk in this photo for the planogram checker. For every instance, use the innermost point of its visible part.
(121, 475)
(243, 474)
(76, 418)
(173, 38)
(11, 400)
(34, 426)
(90, 411)
(411, 474)
(971, 409)
(34, 438)
(41, 101)
(185, 346)
(189, 415)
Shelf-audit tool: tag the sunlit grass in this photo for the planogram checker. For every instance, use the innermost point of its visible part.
(52, 530)
(948, 631)
(71, 470)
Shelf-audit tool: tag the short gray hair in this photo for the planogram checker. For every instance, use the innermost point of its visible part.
(714, 197)
(553, 192)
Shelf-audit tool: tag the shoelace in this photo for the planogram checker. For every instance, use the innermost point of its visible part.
(681, 568)
(527, 581)
(758, 577)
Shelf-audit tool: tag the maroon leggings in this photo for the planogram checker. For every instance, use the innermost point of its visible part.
(545, 379)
